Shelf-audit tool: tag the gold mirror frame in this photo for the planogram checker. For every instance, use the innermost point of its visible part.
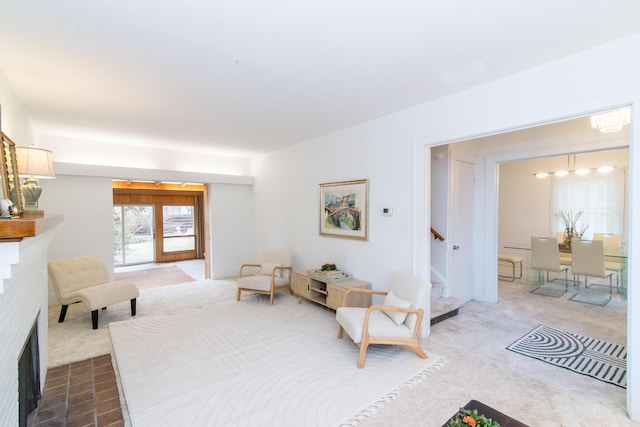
(10, 181)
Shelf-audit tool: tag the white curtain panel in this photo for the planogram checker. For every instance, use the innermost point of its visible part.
(601, 196)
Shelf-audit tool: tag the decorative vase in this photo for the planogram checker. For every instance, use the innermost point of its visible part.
(568, 235)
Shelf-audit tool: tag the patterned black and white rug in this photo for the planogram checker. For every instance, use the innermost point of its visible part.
(587, 356)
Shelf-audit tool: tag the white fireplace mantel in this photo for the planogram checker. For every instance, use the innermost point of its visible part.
(15, 237)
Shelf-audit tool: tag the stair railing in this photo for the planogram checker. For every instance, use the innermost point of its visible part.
(437, 235)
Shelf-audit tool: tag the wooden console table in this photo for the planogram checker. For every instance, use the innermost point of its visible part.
(327, 293)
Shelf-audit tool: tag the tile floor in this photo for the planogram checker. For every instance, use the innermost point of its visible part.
(80, 394)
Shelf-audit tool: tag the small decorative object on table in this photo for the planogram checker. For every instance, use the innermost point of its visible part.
(569, 220)
(330, 270)
(329, 273)
(471, 418)
(6, 208)
(329, 267)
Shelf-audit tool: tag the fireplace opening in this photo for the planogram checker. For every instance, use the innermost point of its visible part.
(29, 375)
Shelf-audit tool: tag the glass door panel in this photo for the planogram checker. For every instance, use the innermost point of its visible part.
(134, 232)
(178, 233)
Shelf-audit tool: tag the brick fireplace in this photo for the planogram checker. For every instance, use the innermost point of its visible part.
(23, 300)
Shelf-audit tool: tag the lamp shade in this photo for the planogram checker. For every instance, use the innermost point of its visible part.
(35, 162)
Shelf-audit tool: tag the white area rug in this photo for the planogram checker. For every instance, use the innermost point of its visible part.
(247, 363)
(74, 340)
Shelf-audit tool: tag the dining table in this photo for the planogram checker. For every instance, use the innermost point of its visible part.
(617, 257)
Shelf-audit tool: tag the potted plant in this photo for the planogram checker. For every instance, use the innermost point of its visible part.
(471, 418)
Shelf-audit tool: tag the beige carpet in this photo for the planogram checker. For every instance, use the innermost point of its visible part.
(156, 277)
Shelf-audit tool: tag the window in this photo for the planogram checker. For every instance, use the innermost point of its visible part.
(178, 228)
(601, 197)
(133, 234)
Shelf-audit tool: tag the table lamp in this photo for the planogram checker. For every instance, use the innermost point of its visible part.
(33, 163)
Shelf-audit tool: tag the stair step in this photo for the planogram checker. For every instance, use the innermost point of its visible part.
(444, 308)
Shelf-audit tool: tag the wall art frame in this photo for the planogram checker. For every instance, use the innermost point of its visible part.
(344, 209)
(9, 169)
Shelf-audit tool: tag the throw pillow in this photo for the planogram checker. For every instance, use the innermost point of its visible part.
(267, 268)
(395, 301)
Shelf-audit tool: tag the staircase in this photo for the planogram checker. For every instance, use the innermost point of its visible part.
(442, 308)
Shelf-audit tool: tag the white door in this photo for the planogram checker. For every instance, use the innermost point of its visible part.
(461, 230)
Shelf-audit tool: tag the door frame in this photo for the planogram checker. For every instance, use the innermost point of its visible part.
(144, 195)
(485, 265)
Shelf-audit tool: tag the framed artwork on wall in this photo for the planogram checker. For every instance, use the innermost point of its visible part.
(344, 209)
(9, 168)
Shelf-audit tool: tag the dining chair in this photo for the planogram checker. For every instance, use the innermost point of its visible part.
(545, 255)
(612, 248)
(588, 261)
(565, 257)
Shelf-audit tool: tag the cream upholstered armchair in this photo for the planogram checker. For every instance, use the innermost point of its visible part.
(85, 279)
(272, 274)
(396, 321)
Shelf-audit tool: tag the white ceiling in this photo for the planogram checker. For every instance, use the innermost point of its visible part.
(244, 77)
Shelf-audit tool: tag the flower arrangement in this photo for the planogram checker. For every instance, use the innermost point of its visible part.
(471, 418)
(570, 221)
(328, 267)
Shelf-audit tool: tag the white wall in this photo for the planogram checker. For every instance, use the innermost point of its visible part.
(524, 206)
(87, 206)
(15, 122)
(287, 205)
(123, 155)
(233, 239)
(384, 152)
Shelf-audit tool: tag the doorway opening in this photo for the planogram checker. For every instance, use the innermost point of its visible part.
(158, 222)
(512, 146)
(545, 141)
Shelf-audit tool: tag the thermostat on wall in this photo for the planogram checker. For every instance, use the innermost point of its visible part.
(386, 212)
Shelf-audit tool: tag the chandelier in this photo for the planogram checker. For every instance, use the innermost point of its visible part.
(611, 121)
(574, 170)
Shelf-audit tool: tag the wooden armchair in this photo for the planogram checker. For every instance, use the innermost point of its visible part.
(274, 273)
(396, 321)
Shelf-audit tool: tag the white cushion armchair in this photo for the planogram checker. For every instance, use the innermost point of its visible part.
(272, 274)
(396, 321)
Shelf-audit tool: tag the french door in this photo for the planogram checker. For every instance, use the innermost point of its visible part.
(157, 225)
(178, 232)
(134, 234)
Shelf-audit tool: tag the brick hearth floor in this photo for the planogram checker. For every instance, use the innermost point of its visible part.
(80, 394)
